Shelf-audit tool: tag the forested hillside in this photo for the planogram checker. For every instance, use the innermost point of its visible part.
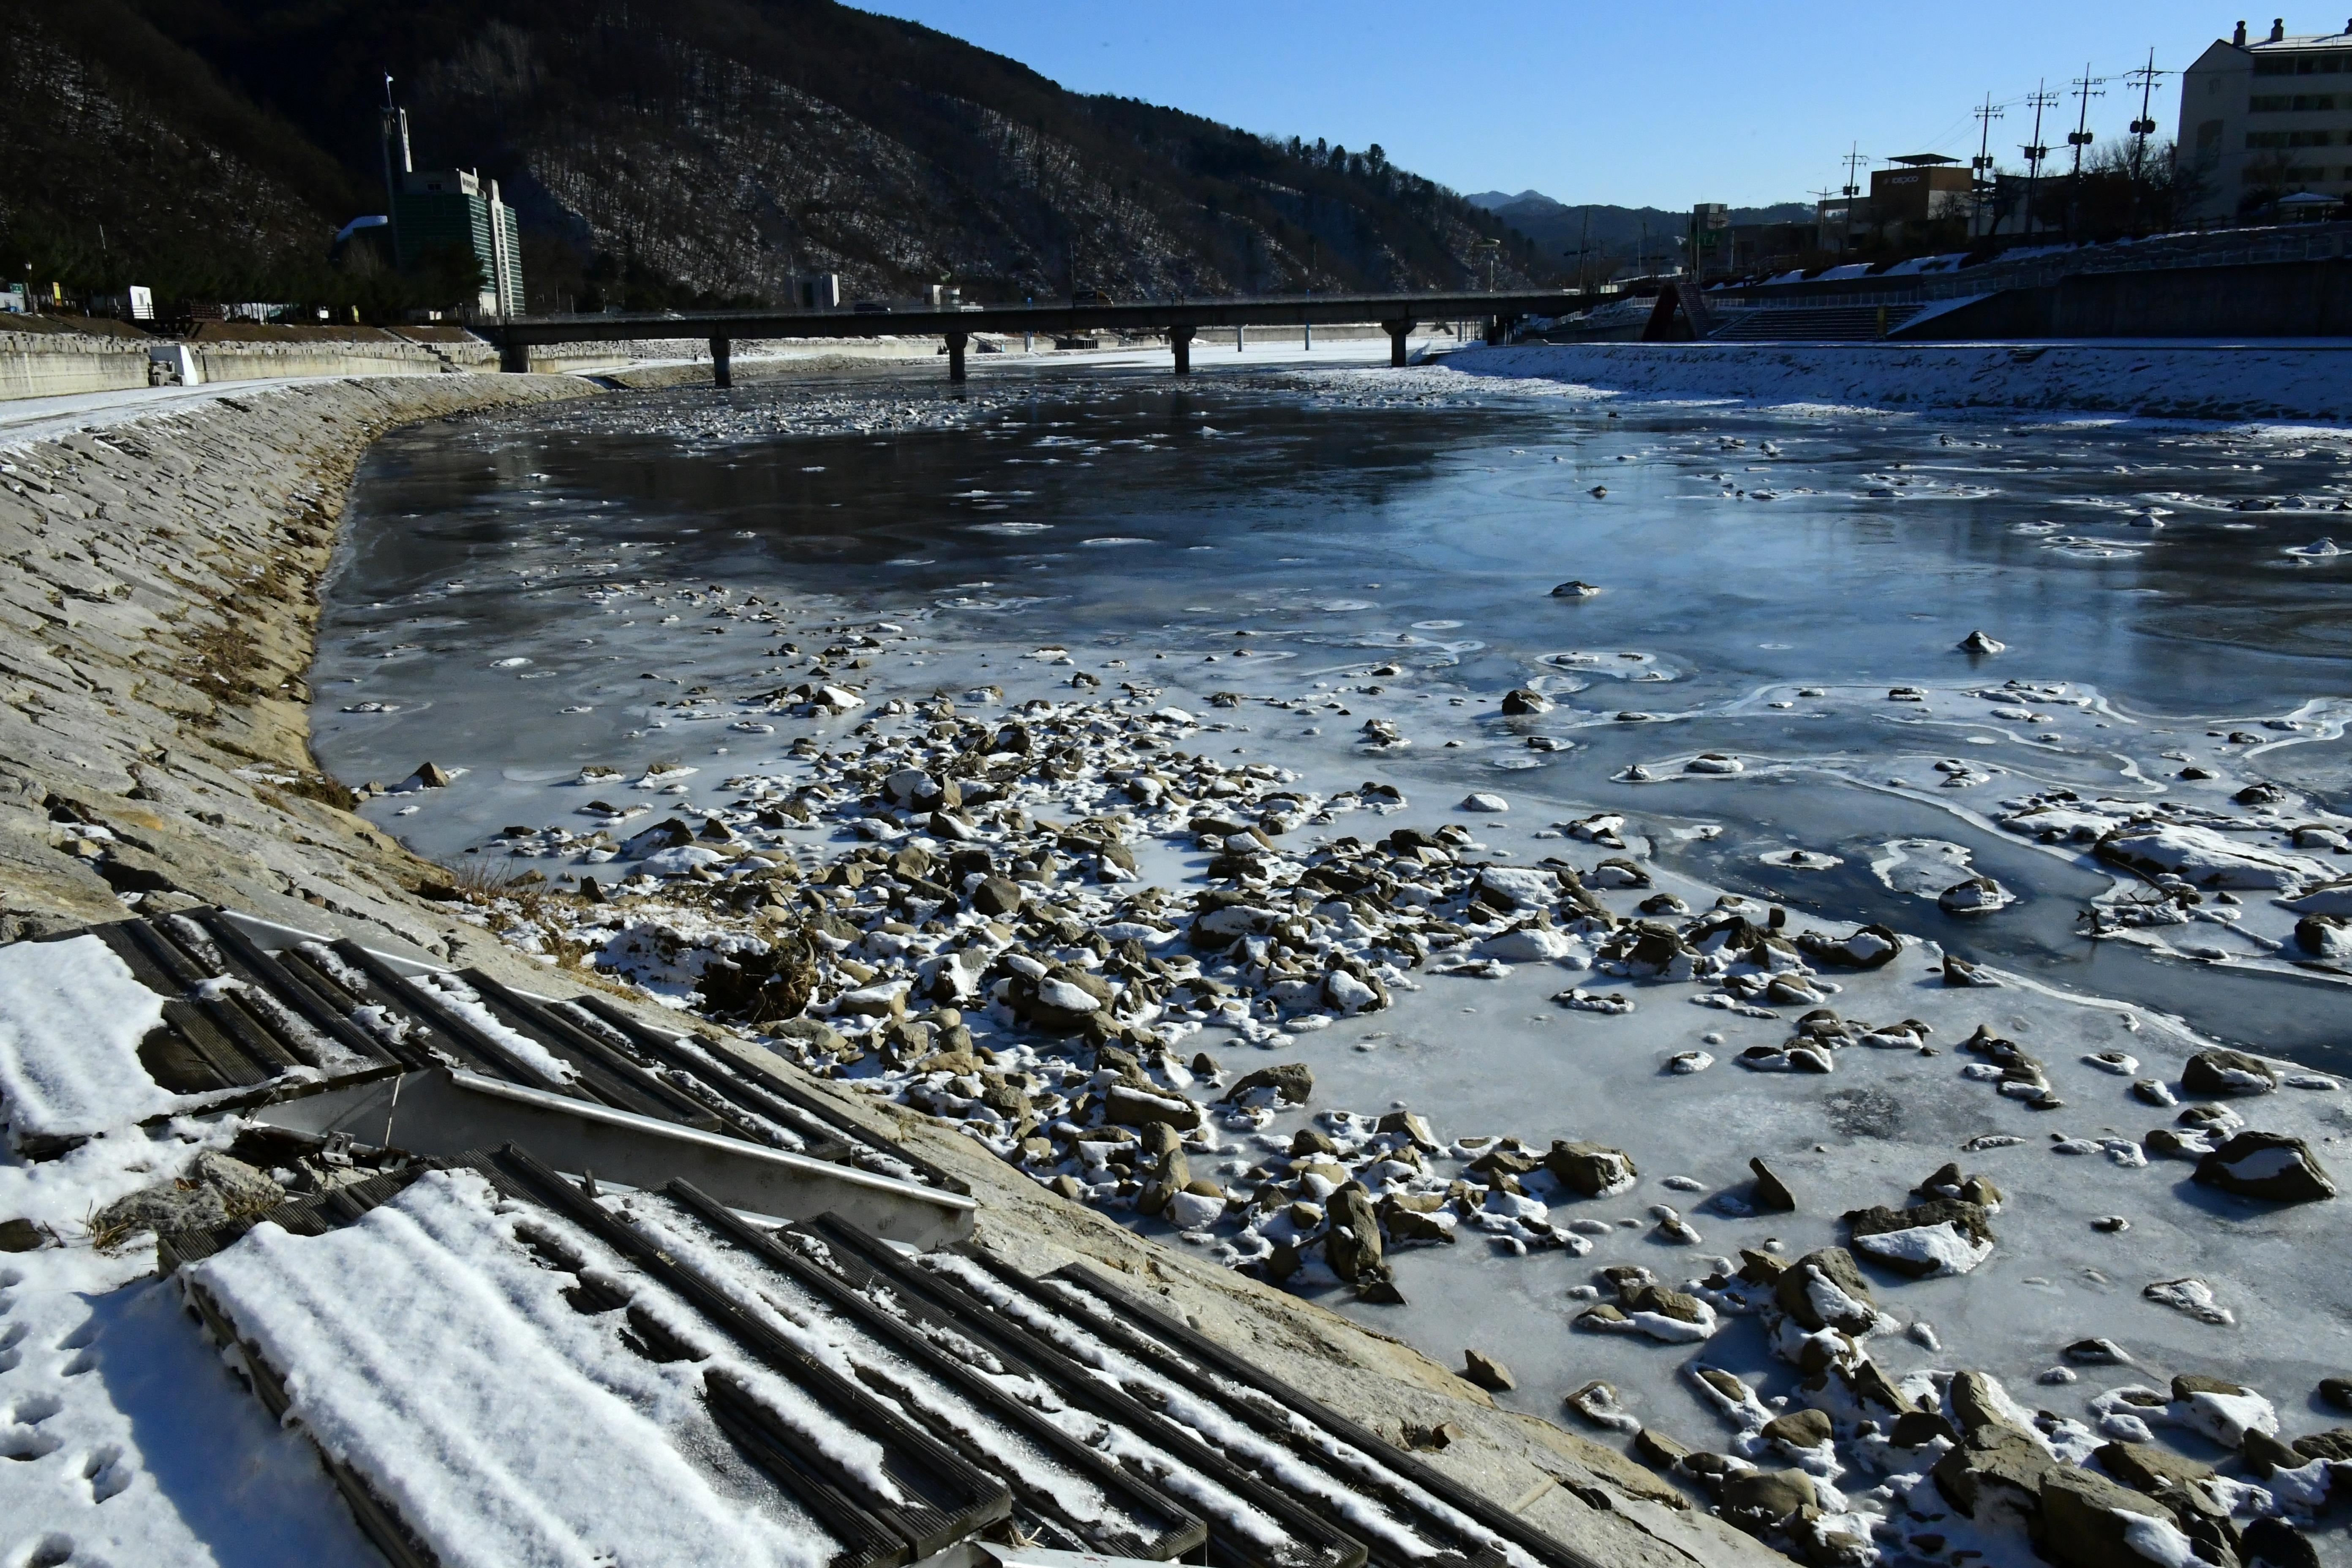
(689, 153)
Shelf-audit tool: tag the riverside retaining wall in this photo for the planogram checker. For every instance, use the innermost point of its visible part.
(156, 627)
(56, 364)
(2200, 381)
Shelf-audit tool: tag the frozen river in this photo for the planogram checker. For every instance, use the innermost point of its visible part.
(1313, 526)
(1343, 575)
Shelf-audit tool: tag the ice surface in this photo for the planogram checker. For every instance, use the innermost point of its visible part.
(71, 1017)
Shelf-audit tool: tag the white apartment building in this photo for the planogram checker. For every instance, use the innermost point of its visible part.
(2269, 116)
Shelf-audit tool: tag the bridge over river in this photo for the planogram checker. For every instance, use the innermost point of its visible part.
(1178, 319)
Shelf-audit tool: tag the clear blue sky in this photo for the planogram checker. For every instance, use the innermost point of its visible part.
(1640, 104)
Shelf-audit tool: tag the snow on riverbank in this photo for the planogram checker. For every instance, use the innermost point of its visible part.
(2195, 380)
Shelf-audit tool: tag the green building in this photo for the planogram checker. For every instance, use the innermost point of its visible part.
(438, 209)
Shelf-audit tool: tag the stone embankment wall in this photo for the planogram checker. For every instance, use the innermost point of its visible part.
(2238, 381)
(56, 364)
(156, 623)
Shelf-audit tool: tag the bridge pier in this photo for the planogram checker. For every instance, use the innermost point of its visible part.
(1180, 339)
(722, 362)
(956, 344)
(514, 359)
(1397, 331)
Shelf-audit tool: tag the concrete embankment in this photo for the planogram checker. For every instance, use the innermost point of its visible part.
(54, 364)
(156, 630)
(2269, 380)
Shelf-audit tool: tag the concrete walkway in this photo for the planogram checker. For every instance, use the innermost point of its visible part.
(25, 420)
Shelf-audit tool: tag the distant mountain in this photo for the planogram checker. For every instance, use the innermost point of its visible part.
(1616, 234)
(692, 152)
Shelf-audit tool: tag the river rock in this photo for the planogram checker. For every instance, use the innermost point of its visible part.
(1823, 1290)
(2276, 1543)
(1485, 800)
(2088, 1520)
(1487, 1373)
(2148, 1469)
(1520, 700)
(1770, 1195)
(1941, 1235)
(1406, 1224)
(1995, 1468)
(996, 896)
(1917, 1428)
(1871, 947)
(1352, 1244)
(1288, 1083)
(1948, 1183)
(1575, 588)
(1598, 1403)
(2325, 936)
(2220, 1409)
(1978, 642)
(1758, 1501)
(1799, 1429)
(1978, 895)
(1959, 972)
(1655, 1448)
(1125, 1106)
(2218, 1073)
(1592, 1170)
(2267, 1165)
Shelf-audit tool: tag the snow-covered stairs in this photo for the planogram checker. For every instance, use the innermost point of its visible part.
(798, 1393)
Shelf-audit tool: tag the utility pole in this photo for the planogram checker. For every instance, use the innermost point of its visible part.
(2041, 98)
(1983, 165)
(1584, 243)
(2142, 127)
(2078, 139)
(1853, 159)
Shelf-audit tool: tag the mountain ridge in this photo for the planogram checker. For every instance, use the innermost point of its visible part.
(1616, 234)
(703, 152)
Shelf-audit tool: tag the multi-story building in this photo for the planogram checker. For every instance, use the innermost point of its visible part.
(441, 208)
(2266, 118)
(450, 209)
